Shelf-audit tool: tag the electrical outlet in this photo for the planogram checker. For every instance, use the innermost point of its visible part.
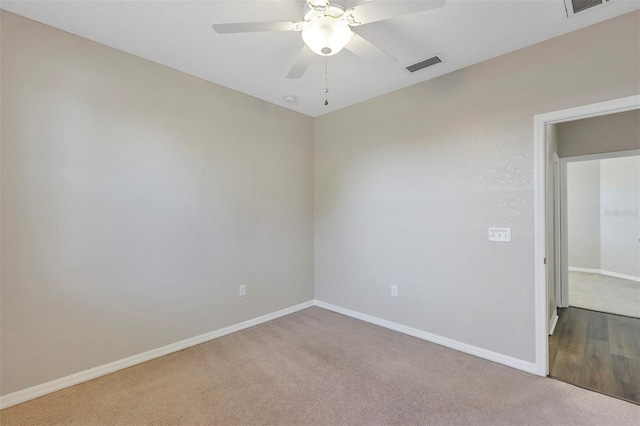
(501, 235)
(243, 290)
(394, 290)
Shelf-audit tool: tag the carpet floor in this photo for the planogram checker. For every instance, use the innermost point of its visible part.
(603, 293)
(316, 367)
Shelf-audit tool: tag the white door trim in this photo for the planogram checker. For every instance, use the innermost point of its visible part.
(564, 241)
(557, 230)
(602, 156)
(540, 122)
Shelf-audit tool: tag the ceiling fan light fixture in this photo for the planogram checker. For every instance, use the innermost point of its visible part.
(326, 35)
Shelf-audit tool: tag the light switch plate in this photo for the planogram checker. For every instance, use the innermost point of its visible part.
(501, 235)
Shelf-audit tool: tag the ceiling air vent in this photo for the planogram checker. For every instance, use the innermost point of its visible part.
(424, 64)
(574, 7)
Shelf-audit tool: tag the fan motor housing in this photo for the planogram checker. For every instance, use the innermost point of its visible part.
(334, 11)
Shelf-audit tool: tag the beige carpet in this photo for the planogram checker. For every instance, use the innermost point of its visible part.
(317, 367)
(604, 293)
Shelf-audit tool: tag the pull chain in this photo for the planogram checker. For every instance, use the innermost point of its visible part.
(326, 80)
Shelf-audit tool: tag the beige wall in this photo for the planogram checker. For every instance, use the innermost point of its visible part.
(608, 133)
(135, 200)
(407, 184)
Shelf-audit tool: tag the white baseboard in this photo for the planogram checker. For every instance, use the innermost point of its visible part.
(603, 272)
(589, 270)
(83, 376)
(519, 364)
(552, 323)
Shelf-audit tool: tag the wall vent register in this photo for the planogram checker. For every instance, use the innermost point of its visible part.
(574, 7)
(424, 64)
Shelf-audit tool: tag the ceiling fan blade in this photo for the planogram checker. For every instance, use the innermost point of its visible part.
(354, 3)
(385, 9)
(302, 63)
(249, 27)
(370, 52)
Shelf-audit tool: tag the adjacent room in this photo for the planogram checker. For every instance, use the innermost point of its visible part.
(604, 256)
(595, 320)
(312, 212)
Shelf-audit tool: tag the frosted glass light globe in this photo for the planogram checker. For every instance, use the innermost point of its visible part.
(326, 36)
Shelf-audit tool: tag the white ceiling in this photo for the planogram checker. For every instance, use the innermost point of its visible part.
(178, 34)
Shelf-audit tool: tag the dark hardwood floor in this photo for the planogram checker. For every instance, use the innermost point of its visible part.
(597, 351)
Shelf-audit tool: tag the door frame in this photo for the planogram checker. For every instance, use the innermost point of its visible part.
(540, 122)
(558, 209)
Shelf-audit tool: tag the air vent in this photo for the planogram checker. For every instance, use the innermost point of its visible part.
(580, 5)
(574, 7)
(424, 64)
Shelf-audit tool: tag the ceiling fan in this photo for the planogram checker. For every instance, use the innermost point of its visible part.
(327, 28)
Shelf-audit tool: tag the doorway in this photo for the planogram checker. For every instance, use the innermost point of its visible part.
(584, 349)
(596, 343)
(601, 217)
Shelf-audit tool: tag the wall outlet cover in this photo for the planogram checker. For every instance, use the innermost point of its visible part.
(500, 235)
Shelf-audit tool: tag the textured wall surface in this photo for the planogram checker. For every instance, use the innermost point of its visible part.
(135, 200)
(407, 184)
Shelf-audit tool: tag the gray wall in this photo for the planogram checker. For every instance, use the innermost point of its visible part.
(583, 214)
(135, 200)
(597, 135)
(407, 184)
